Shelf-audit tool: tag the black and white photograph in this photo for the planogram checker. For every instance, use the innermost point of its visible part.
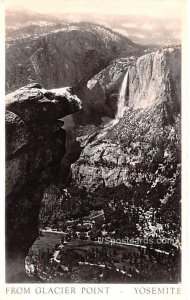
(93, 142)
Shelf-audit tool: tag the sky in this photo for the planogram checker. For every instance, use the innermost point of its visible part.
(168, 9)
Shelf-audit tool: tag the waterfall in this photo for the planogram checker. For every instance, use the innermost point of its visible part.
(121, 97)
(107, 125)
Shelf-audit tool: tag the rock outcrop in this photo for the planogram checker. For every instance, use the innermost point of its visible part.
(35, 146)
(66, 57)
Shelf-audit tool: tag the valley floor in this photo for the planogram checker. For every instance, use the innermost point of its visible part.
(61, 261)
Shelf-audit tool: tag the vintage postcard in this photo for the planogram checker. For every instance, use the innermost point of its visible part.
(95, 115)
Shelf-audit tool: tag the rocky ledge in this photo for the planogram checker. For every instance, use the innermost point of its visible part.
(35, 145)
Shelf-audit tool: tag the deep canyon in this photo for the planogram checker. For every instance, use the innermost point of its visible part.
(79, 71)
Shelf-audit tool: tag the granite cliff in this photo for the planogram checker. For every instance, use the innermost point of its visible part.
(35, 145)
(144, 146)
(153, 79)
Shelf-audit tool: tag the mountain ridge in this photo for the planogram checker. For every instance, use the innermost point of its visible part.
(64, 57)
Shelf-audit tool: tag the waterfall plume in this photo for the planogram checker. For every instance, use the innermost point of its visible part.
(120, 107)
(122, 96)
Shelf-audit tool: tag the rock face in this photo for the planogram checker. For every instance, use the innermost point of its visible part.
(156, 78)
(148, 133)
(35, 145)
(153, 78)
(65, 57)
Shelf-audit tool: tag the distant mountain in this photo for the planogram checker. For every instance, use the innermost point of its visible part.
(18, 17)
(141, 29)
